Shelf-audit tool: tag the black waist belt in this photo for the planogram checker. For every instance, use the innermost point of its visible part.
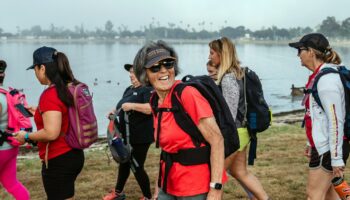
(4, 137)
(186, 157)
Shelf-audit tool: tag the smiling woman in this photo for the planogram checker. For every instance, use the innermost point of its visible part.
(156, 64)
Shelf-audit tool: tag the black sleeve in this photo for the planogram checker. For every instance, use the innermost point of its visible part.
(147, 94)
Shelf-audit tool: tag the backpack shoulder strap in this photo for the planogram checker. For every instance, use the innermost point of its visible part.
(182, 119)
(2, 90)
(154, 103)
(244, 121)
(314, 91)
(158, 112)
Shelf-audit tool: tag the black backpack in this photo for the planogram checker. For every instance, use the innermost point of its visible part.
(199, 155)
(344, 74)
(257, 117)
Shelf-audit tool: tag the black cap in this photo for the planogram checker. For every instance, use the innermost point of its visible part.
(157, 54)
(127, 67)
(43, 55)
(3, 66)
(314, 40)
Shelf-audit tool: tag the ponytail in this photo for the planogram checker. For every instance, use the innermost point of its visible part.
(60, 74)
(332, 57)
(65, 69)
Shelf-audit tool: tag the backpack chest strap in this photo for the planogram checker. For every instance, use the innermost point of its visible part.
(186, 157)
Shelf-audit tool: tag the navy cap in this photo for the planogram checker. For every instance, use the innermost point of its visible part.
(127, 67)
(157, 54)
(43, 55)
(314, 40)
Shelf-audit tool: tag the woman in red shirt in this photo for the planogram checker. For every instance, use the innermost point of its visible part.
(156, 65)
(61, 164)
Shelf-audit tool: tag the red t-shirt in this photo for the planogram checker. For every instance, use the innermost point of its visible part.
(307, 117)
(184, 180)
(49, 101)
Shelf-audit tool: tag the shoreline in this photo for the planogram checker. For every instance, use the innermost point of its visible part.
(131, 40)
(291, 112)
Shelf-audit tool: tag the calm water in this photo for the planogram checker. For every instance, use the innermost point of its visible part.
(277, 66)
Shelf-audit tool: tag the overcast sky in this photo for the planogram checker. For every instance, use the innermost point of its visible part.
(253, 14)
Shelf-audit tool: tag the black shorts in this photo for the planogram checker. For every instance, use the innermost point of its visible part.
(324, 160)
(59, 177)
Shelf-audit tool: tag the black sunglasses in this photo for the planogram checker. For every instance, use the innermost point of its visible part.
(301, 49)
(168, 64)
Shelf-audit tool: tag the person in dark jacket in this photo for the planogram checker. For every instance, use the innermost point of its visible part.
(135, 102)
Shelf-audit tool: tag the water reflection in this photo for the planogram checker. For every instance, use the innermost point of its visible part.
(100, 65)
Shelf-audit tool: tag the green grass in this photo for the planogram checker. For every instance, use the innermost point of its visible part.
(280, 166)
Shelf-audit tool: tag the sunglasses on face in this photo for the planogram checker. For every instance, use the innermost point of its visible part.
(168, 64)
(301, 49)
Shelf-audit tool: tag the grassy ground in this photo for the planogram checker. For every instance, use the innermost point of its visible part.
(281, 167)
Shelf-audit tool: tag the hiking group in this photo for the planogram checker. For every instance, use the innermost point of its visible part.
(201, 143)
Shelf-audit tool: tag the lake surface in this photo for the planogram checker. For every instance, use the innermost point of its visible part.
(277, 65)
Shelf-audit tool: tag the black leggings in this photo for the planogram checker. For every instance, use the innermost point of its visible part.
(59, 177)
(139, 152)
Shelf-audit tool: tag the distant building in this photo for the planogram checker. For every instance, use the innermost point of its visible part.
(29, 37)
(43, 37)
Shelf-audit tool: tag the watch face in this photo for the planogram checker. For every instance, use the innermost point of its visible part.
(218, 186)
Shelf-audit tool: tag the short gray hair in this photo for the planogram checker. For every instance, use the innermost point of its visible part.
(141, 60)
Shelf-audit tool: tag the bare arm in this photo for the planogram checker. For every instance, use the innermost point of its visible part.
(212, 135)
(139, 107)
(51, 131)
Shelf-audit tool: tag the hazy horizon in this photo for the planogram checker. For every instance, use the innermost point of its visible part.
(134, 14)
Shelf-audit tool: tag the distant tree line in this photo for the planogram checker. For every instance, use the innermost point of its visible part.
(329, 26)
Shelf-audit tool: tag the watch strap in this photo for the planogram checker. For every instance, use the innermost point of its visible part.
(26, 137)
(216, 186)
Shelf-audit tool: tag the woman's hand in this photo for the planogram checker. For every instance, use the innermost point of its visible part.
(338, 171)
(307, 151)
(31, 109)
(112, 112)
(214, 194)
(19, 136)
(127, 106)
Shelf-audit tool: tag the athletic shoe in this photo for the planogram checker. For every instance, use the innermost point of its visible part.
(114, 196)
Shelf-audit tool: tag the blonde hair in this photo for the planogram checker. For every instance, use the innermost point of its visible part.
(330, 56)
(228, 58)
(211, 64)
